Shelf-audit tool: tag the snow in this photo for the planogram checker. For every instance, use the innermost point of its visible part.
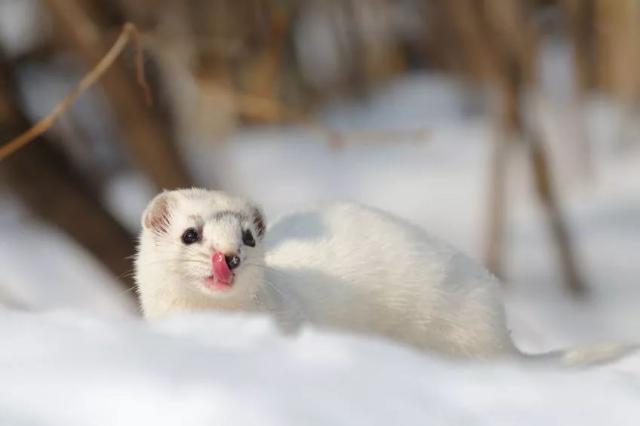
(72, 357)
(23, 24)
(206, 369)
(41, 269)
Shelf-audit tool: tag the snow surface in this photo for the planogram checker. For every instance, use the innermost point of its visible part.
(210, 369)
(71, 358)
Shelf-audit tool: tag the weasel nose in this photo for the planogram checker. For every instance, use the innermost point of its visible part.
(233, 261)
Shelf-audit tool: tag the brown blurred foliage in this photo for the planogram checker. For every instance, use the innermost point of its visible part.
(268, 61)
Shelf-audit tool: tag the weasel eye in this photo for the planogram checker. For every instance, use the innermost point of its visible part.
(247, 238)
(190, 236)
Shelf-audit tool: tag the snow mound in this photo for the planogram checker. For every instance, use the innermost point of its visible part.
(67, 368)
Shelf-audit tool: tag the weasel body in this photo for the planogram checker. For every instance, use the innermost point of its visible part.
(349, 266)
(343, 266)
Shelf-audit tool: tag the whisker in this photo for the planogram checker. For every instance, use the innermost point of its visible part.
(289, 300)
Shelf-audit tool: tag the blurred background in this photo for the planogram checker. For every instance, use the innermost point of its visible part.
(508, 128)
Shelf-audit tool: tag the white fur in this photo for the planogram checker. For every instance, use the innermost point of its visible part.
(169, 274)
(353, 267)
(342, 266)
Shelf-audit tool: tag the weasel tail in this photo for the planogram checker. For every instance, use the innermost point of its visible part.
(586, 356)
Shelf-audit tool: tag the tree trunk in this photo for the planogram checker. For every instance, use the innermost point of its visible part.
(56, 192)
(150, 145)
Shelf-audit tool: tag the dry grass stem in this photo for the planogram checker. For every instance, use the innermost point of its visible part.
(128, 34)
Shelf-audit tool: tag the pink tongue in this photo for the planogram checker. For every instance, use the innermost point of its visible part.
(221, 270)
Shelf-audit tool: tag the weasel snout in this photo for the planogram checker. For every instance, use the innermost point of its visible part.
(222, 266)
(233, 261)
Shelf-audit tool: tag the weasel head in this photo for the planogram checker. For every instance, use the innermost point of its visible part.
(199, 249)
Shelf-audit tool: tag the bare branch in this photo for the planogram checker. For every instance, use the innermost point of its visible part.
(128, 34)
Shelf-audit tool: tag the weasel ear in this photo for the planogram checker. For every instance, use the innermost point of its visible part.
(156, 215)
(258, 221)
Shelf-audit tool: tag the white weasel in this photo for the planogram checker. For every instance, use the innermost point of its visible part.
(344, 266)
